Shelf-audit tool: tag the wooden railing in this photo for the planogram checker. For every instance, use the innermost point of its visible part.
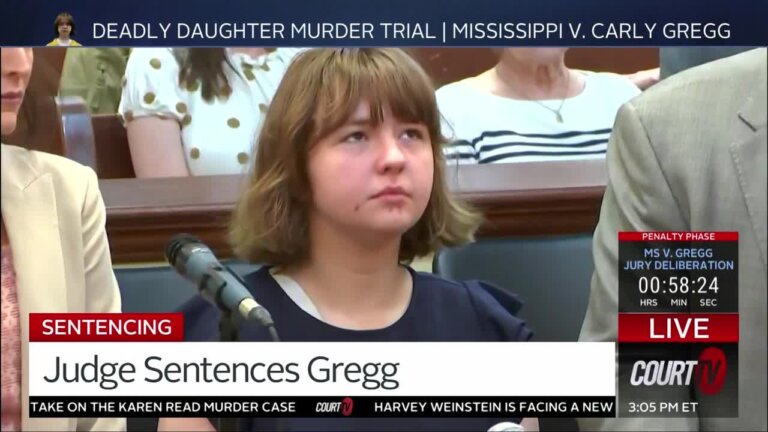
(517, 200)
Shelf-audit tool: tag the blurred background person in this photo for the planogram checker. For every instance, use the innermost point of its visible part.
(64, 30)
(347, 190)
(96, 75)
(531, 107)
(52, 217)
(690, 155)
(197, 111)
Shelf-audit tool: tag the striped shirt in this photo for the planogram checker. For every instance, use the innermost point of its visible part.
(486, 128)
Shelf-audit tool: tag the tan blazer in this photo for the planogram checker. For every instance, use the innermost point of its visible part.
(690, 155)
(55, 219)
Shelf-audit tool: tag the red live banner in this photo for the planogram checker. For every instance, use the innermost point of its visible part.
(106, 327)
(683, 236)
(678, 327)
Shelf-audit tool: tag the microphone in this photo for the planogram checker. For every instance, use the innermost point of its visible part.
(506, 427)
(193, 260)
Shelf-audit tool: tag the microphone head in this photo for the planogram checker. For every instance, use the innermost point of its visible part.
(175, 245)
(506, 427)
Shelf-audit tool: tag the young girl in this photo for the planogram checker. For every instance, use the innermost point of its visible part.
(347, 189)
(197, 111)
(64, 30)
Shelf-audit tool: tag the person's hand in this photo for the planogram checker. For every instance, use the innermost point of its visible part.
(645, 78)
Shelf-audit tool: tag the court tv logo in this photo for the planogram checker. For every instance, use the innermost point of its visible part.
(707, 373)
(344, 407)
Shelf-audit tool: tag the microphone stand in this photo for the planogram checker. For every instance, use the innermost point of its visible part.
(228, 332)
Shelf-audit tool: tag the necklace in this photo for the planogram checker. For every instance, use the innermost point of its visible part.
(558, 112)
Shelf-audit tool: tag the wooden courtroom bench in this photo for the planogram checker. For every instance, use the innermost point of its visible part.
(112, 152)
(526, 199)
(98, 141)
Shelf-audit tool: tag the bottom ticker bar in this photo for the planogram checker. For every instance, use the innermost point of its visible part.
(305, 406)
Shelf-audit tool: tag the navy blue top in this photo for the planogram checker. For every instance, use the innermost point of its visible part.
(439, 311)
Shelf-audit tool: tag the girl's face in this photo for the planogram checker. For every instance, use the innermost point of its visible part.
(15, 71)
(373, 181)
(65, 29)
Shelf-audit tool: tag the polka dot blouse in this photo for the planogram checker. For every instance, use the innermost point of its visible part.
(218, 137)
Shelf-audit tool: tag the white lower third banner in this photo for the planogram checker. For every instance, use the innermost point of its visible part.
(466, 378)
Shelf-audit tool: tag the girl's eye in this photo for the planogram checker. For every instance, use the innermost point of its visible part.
(413, 133)
(355, 137)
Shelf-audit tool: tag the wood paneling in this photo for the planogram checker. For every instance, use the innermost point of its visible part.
(516, 199)
(617, 60)
(112, 151)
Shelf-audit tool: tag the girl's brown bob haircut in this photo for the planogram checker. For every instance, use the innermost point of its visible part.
(64, 18)
(318, 94)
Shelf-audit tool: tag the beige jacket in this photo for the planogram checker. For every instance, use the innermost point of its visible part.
(690, 155)
(55, 219)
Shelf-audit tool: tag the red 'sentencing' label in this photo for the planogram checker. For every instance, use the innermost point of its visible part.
(106, 327)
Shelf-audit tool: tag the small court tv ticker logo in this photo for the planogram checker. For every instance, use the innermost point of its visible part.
(707, 373)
